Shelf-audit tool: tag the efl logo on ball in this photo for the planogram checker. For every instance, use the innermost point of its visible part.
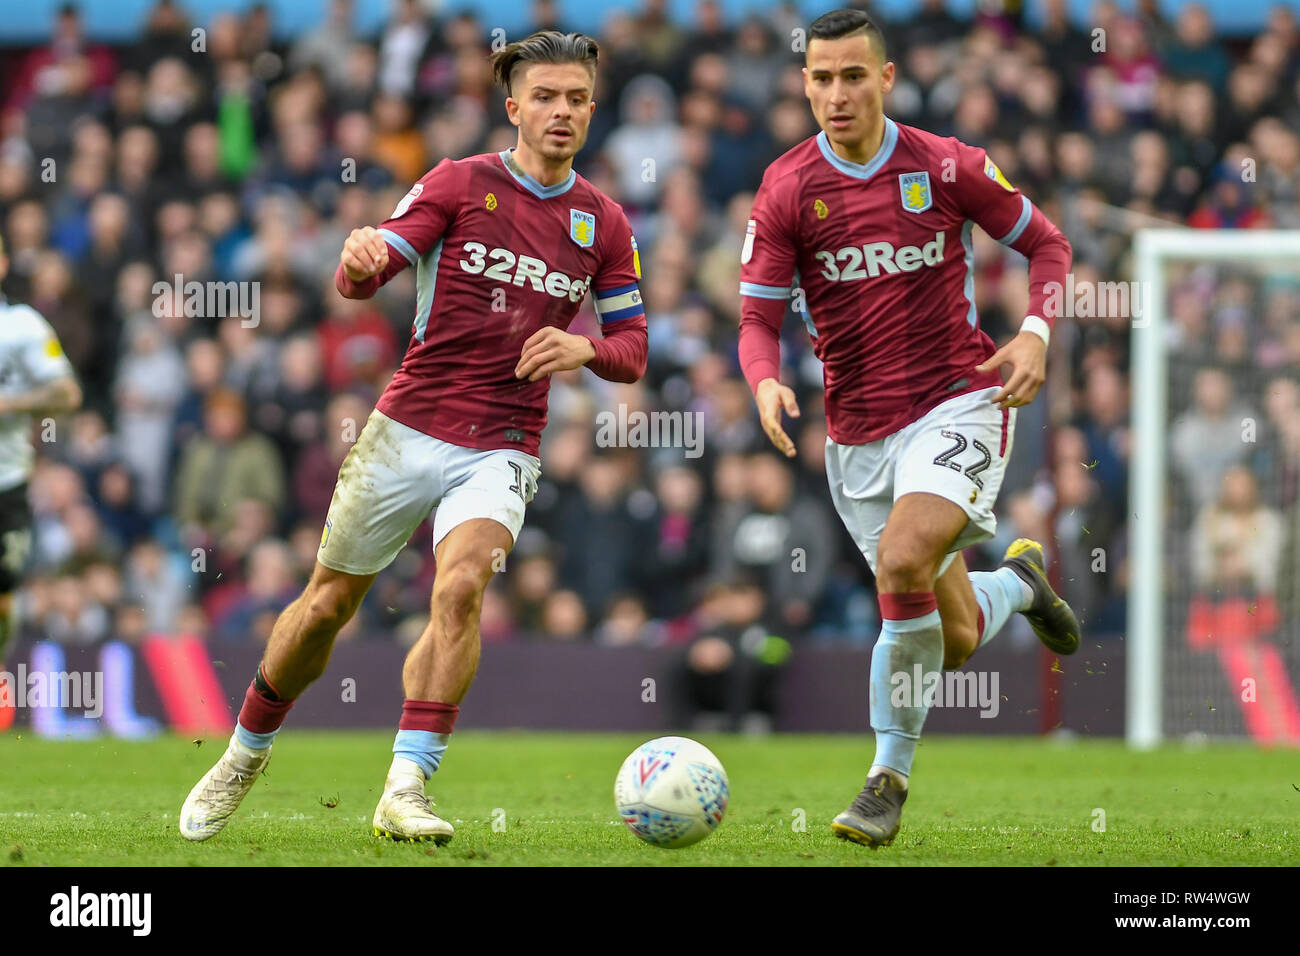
(671, 792)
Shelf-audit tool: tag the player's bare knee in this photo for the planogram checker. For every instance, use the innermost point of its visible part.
(902, 570)
(329, 607)
(457, 596)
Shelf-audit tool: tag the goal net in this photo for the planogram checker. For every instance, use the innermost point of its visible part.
(1214, 516)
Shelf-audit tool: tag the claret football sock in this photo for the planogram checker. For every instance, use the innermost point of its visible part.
(422, 738)
(909, 649)
(999, 594)
(262, 714)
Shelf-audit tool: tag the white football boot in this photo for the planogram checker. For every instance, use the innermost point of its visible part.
(217, 796)
(404, 812)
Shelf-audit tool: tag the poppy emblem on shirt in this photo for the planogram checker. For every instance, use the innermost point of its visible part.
(915, 189)
(490, 200)
(582, 228)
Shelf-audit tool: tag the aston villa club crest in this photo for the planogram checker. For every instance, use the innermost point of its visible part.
(582, 228)
(915, 189)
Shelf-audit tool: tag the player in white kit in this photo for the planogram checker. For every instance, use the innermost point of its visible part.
(36, 378)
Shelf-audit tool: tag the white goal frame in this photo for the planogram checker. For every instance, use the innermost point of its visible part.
(1153, 248)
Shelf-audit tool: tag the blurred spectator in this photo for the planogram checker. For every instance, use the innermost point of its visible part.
(326, 47)
(150, 385)
(676, 551)
(600, 532)
(270, 585)
(356, 344)
(1237, 540)
(784, 539)
(58, 81)
(156, 584)
(73, 616)
(223, 466)
(1232, 204)
(1104, 423)
(1195, 52)
(1278, 460)
(626, 624)
(752, 68)
(659, 36)
(647, 146)
(1206, 440)
(731, 670)
(400, 47)
(564, 617)
(115, 495)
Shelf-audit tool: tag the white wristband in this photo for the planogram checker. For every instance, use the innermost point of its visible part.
(1036, 325)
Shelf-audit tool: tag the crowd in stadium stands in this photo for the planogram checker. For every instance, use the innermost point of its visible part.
(189, 493)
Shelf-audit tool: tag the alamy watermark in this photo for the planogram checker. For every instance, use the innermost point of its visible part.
(639, 429)
(210, 300)
(946, 689)
(76, 690)
(131, 911)
(1088, 299)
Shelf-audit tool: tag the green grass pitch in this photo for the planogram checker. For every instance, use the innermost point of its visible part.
(974, 801)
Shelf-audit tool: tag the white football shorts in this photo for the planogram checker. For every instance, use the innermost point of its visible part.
(394, 476)
(958, 450)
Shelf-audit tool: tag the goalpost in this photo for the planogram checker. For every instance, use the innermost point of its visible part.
(1189, 672)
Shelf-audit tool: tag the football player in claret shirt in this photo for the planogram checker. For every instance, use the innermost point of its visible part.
(506, 247)
(872, 220)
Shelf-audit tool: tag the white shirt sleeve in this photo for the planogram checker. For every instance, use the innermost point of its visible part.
(38, 347)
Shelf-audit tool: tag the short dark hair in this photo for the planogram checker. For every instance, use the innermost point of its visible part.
(847, 23)
(545, 46)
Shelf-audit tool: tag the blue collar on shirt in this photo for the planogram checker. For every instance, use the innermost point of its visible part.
(531, 184)
(872, 166)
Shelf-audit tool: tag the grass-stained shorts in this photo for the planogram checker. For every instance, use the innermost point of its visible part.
(394, 476)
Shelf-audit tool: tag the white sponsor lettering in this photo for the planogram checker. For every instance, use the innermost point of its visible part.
(874, 258)
(514, 269)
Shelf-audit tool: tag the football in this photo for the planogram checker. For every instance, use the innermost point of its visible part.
(671, 792)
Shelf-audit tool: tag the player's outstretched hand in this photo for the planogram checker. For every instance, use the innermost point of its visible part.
(772, 397)
(553, 350)
(364, 254)
(1027, 356)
